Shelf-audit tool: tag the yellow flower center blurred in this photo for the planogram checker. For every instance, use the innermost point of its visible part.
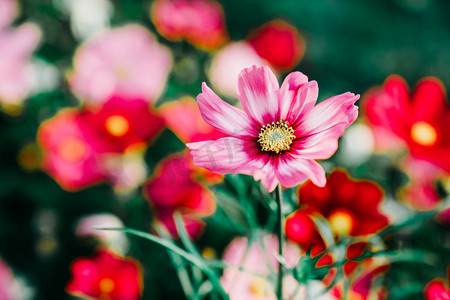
(341, 222)
(276, 137)
(106, 285)
(117, 125)
(72, 149)
(258, 287)
(423, 133)
(209, 253)
(123, 73)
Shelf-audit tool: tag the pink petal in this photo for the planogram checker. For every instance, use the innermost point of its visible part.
(335, 113)
(291, 171)
(297, 96)
(321, 145)
(225, 155)
(257, 91)
(223, 116)
(267, 177)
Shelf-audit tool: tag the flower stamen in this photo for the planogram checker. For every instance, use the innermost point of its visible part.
(276, 137)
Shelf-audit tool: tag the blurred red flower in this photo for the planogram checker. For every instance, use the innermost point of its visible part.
(120, 124)
(200, 22)
(417, 122)
(351, 208)
(67, 155)
(279, 43)
(106, 275)
(173, 189)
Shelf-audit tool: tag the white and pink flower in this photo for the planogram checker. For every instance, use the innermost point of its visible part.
(279, 133)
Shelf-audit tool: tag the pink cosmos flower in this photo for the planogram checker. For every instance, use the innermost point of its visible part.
(67, 155)
(280, 132)
(125, 61)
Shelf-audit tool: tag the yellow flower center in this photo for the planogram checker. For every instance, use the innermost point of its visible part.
(123, 72)
(341, 222)
(72, 149)
(117, 125)
(106, 285)
(258, 287)
(423, 133)
(276, 137)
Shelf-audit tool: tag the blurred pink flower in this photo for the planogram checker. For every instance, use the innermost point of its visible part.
(289, 49)
(11, 288)
(125, 61)
(172, 189)
(8, 11)
(16, 46)
(67, 156)
(228, 62)
(200, 22)
(279, 134)
(184, 119)
(252, 270)
(106, 276)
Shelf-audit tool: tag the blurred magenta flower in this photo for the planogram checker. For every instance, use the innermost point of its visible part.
(252, 269)
(279, 134)
(125, 61)
(16, 46)
(438, 289)
(173, 188)
(417, 121)
(228, 62)
(289, 49)
(67, 155)
(120, 124)
(200, 22)
(106, 275)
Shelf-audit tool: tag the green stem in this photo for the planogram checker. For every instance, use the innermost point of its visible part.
(280, 233)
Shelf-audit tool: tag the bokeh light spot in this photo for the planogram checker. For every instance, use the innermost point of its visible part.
(117, 125)
(106, 285)
(341, 222)
(423, 134)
